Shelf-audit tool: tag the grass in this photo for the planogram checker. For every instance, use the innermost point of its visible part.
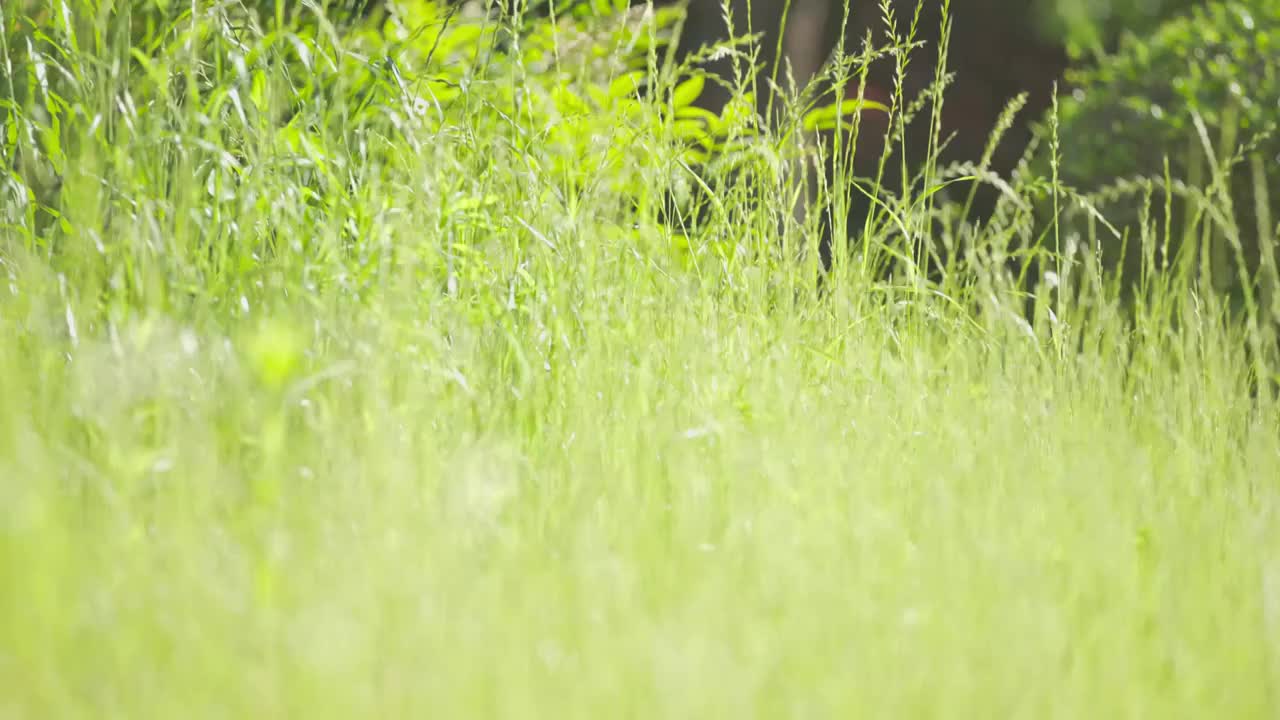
(518, 462)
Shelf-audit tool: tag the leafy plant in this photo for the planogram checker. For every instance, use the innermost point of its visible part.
(1200, 93)
(1089, 25)
(229, 93)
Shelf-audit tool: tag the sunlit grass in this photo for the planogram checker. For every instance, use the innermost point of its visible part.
(399, 457)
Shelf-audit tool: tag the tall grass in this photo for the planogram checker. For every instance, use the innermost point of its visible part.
(397, 421)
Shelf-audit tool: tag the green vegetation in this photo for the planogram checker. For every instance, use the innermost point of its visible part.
(1091, 26)
(368, 373)
(1183, 123)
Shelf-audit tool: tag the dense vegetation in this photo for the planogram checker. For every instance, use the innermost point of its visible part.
(1183, 123)
(418, 366)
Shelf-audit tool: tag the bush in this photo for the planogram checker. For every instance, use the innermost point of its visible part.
(1202, 91)
(1085, 25)
(236, 98)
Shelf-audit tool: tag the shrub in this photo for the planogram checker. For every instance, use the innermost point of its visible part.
(1086, 25)
(230, 100)
(1202, 91)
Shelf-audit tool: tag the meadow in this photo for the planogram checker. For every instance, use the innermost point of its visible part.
(403, 415)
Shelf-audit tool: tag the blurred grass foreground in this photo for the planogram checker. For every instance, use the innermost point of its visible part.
(360, 368)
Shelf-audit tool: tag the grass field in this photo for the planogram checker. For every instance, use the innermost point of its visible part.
(320, 447)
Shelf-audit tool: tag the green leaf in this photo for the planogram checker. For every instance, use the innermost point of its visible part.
(627, 84)
(458, 36)
(567, 101)
(442, 91)
(467, 203)
(630, 108)
(739, 110)
(693, 112)
(828, 117)
(600, 96)
(258, 90)
(688, 91)
(11, 136)
(691, 130)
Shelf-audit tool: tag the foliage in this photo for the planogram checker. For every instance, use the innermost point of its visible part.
(274, 85)
(336, 381)
(1202, 92)
(1091, 25)
(233, 93)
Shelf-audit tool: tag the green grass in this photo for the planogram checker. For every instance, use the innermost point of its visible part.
(449, 466)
